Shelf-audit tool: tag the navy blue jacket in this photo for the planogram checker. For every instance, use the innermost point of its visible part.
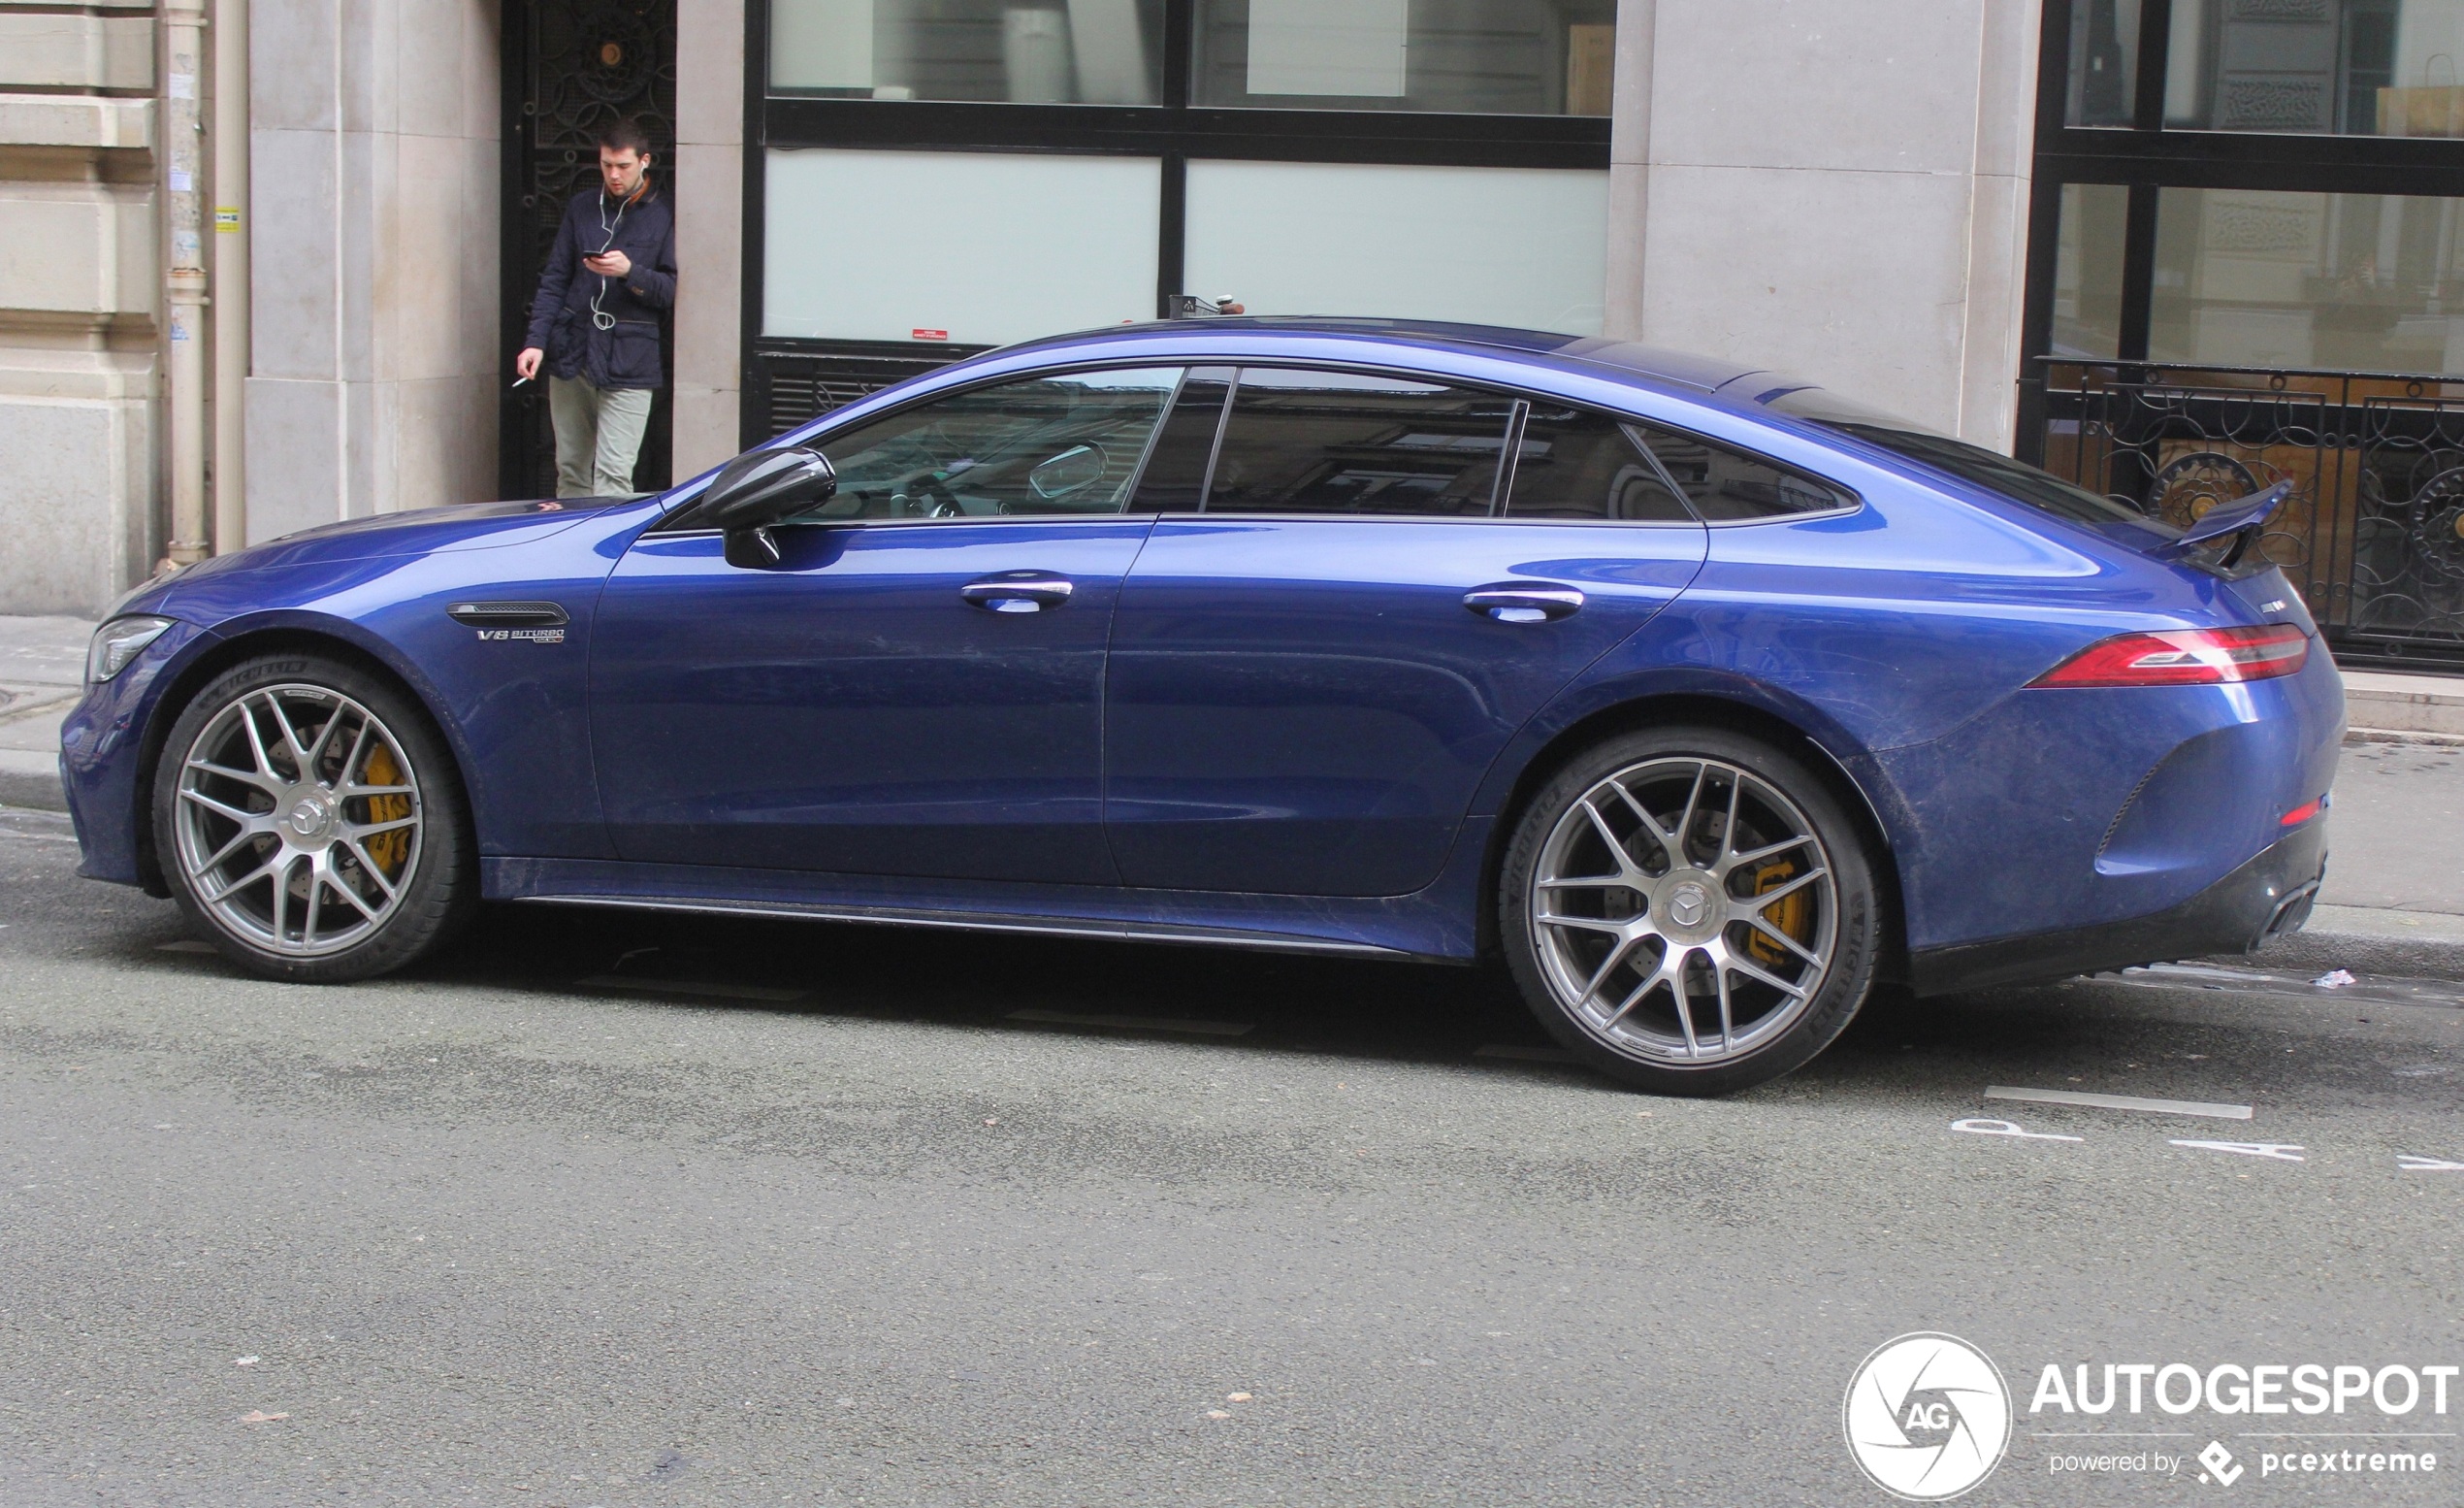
(626, 353)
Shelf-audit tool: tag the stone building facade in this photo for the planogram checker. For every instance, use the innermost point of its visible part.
(2085, 231)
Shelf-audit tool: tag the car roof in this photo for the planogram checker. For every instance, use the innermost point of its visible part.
(1683, 369)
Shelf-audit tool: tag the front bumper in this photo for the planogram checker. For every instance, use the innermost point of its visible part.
(2269, 895)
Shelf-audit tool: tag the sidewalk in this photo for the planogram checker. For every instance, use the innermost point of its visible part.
(2393, 903)
(42, 672)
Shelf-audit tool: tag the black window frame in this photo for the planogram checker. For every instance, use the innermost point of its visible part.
(1172, 132)
(2146, 158)
(1511, 437)
(1502, 494)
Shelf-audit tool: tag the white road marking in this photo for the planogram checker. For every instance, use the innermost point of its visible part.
(2276, 1150)
(2410, 1164)
(729, 991)
(2072, 1096)
(1066, 1018)
(1983, 1127)
(2196, 971)
(1526, 1054)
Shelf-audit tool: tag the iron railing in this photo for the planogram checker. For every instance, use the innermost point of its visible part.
(2373, 535)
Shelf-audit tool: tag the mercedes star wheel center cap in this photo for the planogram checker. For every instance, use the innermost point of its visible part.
(310, 817)
(1687, 904)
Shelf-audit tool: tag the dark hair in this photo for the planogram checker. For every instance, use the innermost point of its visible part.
(624, 134)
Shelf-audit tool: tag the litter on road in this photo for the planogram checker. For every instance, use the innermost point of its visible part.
(2072, 1096)
(2335, 980)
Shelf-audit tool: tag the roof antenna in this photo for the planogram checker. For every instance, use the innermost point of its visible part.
(1190, 306)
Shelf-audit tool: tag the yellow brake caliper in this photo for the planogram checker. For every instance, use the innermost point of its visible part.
(1792, 913)
(392, 849)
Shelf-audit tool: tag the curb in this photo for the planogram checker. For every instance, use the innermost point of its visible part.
(2360, 735)
(2403, 944)
(41, 792)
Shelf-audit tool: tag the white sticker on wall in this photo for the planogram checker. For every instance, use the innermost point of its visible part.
(1329, 47)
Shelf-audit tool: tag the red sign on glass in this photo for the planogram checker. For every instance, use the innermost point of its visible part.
(929, 335)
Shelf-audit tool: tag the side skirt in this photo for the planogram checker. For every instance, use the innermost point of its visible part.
(1419, 927)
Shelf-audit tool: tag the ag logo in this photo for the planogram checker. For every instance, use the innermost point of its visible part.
(1928, 1416)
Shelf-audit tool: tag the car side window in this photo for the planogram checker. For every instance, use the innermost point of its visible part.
(1068, 444)
(1578, 463)
(1731, 486)
(1299, 442)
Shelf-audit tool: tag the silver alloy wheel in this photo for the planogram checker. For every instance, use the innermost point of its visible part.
(297, 820)
(1684, 912)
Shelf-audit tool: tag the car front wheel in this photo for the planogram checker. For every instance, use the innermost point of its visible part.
(1690, 910)
(309, 820)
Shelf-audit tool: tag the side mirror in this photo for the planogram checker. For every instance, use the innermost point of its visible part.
(1077, 467)
(759, 489)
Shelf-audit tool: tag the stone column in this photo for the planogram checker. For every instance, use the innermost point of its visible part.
(374, 160)
(80, 299)
(709, 231)
(1838, 188)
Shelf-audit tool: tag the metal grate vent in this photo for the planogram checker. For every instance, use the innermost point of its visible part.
(801, 382)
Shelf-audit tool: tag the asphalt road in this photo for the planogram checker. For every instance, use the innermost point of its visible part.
(821, 1220)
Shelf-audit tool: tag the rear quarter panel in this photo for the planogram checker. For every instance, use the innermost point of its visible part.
(1900, 639)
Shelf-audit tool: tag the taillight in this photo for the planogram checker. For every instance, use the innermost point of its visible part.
(2185, 657)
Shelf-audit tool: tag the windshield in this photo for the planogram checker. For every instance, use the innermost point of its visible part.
(1999, 474)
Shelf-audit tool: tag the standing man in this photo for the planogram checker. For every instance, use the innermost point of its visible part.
(595, 322)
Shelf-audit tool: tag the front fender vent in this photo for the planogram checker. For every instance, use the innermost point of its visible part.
(507, 614)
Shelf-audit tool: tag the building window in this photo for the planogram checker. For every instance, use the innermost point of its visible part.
(941, 176)
(2332, 67)
(1504, 57)
(2245, 268)
(1078, 52)
(2259, 278)
(2086, 312)
(1403, 241)
(2103, 37)
(970, 248)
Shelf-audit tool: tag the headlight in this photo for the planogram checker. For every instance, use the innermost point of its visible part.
(118, 643)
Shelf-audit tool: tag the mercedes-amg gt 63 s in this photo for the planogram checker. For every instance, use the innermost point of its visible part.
(1703, 699)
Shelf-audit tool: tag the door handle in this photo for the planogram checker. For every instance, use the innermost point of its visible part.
(1523, 602)
(1018, 591)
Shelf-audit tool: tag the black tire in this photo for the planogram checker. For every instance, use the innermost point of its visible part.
(388, 918)
(1777, 790)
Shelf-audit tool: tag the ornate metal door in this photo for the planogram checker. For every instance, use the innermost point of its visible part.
(571, 67)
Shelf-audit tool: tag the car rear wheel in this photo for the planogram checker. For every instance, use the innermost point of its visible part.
(309, 821)
(1690, 910)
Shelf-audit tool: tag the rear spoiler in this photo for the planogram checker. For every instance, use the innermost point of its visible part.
(2243, 517)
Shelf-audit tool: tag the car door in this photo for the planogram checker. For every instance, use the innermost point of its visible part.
(1329, 636)
(916, 687)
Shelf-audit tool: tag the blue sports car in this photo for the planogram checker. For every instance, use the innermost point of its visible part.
(1704, 699)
